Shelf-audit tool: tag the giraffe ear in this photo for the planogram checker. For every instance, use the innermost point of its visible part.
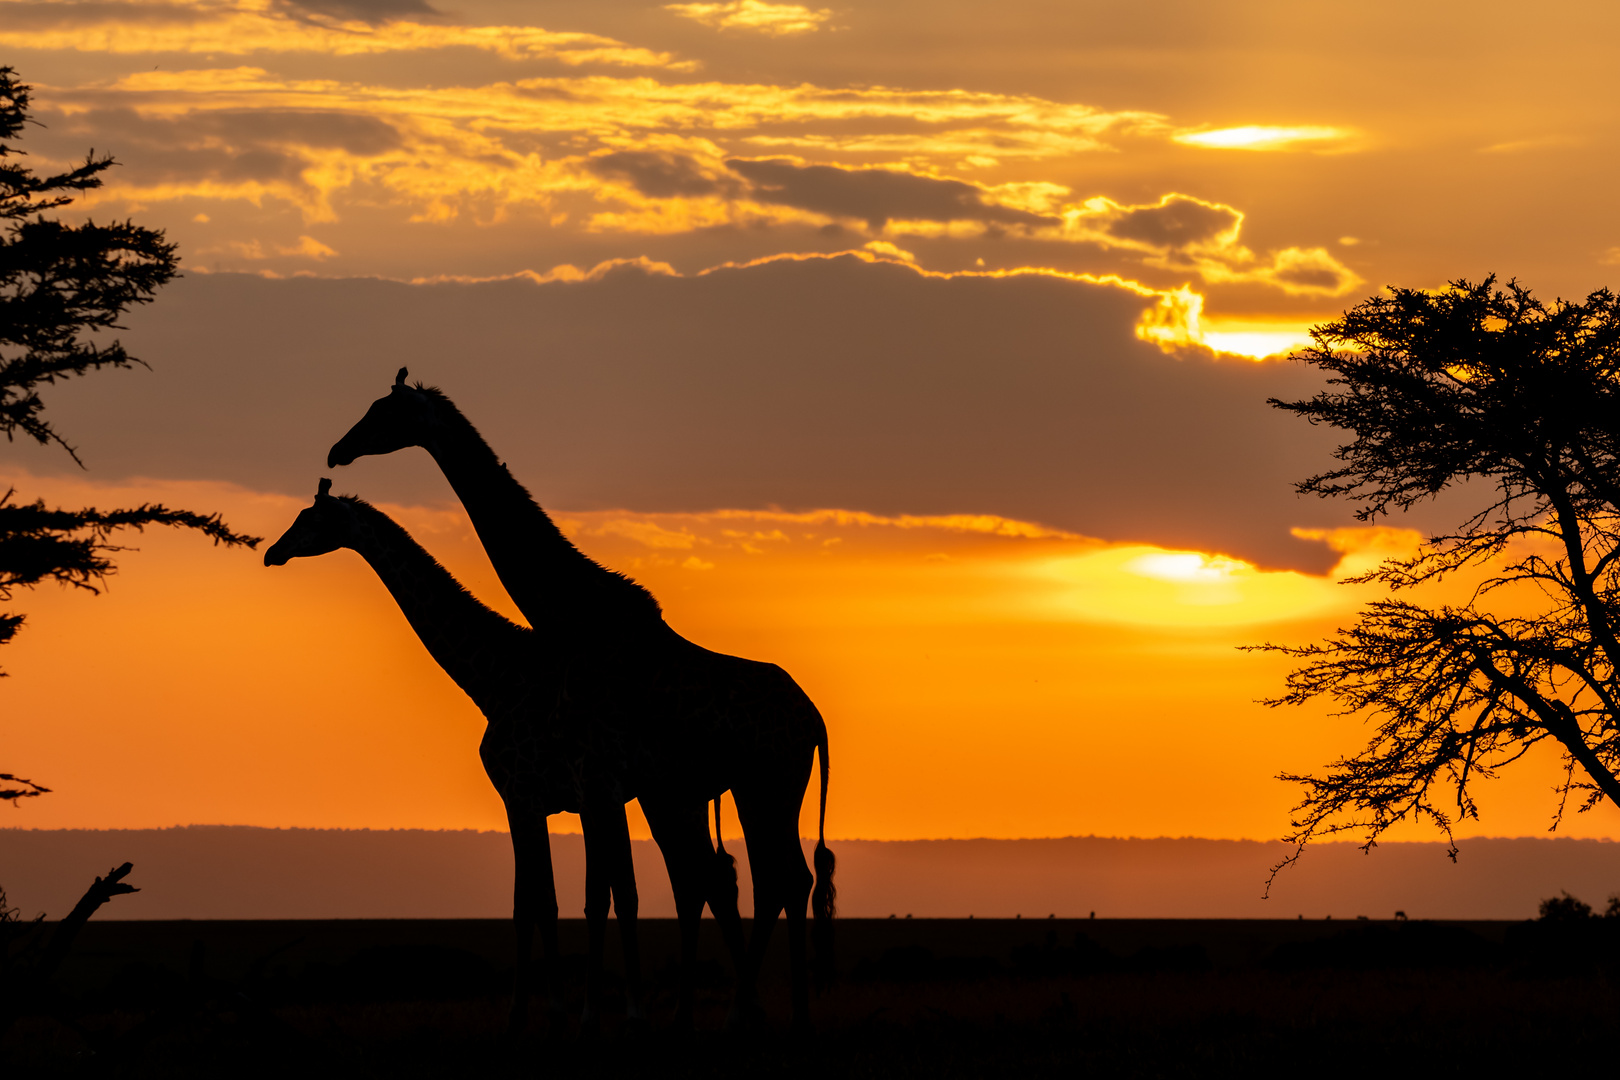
(399, 380)
(325, 490)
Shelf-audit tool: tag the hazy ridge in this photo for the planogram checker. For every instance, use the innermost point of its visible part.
(237, 872)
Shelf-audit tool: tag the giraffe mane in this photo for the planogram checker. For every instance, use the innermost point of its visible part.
(380, 519)
(630, 584)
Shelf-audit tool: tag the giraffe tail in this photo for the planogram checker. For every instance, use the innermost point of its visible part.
(824, 897)
(724, 887)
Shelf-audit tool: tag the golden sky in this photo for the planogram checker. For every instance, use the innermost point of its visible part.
(920, 348)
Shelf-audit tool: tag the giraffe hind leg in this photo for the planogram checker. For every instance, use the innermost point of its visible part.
(723, 895)
(782, 882)
(682, 833)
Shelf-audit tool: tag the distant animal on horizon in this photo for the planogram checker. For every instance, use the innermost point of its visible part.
(698, 723)
(541, 759)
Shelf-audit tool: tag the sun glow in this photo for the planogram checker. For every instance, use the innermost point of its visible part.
(1257, 339)
(1256, 137)
(1186, 566)
(1143, 586)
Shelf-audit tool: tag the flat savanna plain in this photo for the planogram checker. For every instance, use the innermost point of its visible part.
(923, 997)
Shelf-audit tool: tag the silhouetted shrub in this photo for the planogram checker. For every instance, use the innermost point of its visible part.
(1567, 938)
(1564, 908)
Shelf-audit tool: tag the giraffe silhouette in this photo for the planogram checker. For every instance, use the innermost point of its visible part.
(698, 723)
(540, 760)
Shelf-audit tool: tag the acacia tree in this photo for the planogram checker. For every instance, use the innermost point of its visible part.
(1486, 384)
(62, 286)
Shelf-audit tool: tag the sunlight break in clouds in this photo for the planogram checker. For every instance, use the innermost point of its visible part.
(1172, 321)
(775, 19)
(1255, 137)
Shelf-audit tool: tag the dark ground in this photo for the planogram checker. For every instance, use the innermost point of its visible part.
(935, 998)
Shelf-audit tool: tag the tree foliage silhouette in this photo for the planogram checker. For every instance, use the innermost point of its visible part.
(62, 286)
(1486, 384)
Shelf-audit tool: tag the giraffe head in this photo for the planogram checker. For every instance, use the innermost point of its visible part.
(325, 526)
(405, 417)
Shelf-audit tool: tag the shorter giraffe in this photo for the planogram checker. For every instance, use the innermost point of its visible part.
(538, 762)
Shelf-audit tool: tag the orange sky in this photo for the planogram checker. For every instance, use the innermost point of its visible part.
(980, 677)
(980, 294)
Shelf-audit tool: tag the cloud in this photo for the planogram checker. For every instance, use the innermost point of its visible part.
(659, 174)
(945, 123)
(353, 133)
(1519, 146)
(1181, 232)
(793, 384)
(1176, 221)
(645, 532)
(321, 27)
(298, 155)
(641, 156)
(982, 524)
(876, 196)
(777, 20)
(568, 146)
(368, 11)
(627, 156)
(307, 247)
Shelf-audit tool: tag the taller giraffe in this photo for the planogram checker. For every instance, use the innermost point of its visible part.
(701, 722)
(539, 762)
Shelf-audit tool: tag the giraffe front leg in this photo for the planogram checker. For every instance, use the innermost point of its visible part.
(534, 904)
(611, 877)
(517, 1020)
(620, 866)
(595, 821)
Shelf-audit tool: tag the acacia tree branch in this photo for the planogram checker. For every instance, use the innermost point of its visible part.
(28, 790)
(1581, 582)
(1559, 721)
(62, 288)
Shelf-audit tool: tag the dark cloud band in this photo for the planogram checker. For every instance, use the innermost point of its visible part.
(876, 196)
(800, 384)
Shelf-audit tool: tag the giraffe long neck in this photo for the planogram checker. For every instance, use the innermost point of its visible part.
(486, 654)
(559, 589)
